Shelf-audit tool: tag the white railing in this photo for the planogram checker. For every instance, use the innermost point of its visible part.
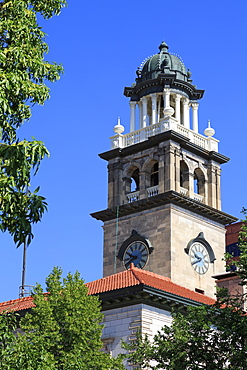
(133, 196)
(165, 124)
(152, 191)
(198, 197)
(183, 191)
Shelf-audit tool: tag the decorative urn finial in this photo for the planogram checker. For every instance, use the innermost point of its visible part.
(168, 111)
(118, 129)
(209, 131)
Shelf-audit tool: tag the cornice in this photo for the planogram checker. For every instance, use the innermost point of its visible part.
(146, 87)
(155, 140)
(144, 294)
(171, 197)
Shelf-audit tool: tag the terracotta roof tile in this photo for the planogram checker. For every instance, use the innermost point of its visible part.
(136, 276)
(17, 304)
(124, 279)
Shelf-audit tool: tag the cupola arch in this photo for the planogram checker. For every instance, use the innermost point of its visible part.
(184, 175)
(151, 168)
(132, 177)
(199, 182)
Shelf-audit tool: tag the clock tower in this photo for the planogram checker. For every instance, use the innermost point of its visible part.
(164, 207)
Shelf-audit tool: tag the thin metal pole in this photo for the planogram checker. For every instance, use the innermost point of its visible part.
(24, 260)
(24, 268)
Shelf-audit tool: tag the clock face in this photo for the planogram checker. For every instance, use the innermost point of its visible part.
(137, 253)
(199, 258)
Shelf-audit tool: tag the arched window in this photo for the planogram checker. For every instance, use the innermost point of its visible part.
(199, 182)
(184, 175)
(196, 184)
(134, 186)
(154, 175)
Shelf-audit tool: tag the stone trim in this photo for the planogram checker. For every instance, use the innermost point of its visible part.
(168, 197)
(184, 142)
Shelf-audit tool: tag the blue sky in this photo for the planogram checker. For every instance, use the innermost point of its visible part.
(100, 45)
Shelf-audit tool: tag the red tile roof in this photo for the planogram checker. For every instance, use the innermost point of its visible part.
(17, 304)
(133, 276)
(136, 276)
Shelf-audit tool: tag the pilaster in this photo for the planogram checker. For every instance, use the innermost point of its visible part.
(115, 184)
(177, 169)
(218, 188)
(170, 167)
(212, 178)
(110, 168)
(143, 184)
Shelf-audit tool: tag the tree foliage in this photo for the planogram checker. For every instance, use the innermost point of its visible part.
(62, 332)
(208, 337)
(23, 77)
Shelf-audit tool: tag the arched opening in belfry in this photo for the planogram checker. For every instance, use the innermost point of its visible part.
(154, 175)
(184, 175)
(199, 182)
(135, 179)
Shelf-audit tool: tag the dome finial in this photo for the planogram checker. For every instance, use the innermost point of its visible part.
(163, 47)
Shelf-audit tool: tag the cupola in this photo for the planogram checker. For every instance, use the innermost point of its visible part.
(163, 98)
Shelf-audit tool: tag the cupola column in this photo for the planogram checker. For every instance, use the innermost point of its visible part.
(166, 96)
(144, 111)
(177, 107)
(186, 113)
(140, 114)
(195, 116)
(132, 116)
(154, 108)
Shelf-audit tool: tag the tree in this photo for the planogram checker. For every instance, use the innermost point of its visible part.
(208, 337)
(62, 332)
(23, 73)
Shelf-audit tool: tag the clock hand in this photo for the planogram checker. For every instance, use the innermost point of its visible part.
(198, 259)
(132, 259)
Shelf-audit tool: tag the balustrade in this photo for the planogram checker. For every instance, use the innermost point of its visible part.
(183, 191)
(152, 191)
(133, 196)
(198, 198)
(165, 124)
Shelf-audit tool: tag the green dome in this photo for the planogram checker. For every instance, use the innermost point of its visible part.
(163, 62)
